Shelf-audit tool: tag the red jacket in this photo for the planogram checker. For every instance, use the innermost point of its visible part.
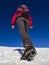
(19, 13)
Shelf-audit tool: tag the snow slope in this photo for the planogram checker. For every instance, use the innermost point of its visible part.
(10, 56)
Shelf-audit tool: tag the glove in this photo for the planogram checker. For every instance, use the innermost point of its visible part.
(31, 27)
(12, 26)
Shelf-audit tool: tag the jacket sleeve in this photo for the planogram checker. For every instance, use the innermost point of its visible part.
(14, 19)
(30, 21)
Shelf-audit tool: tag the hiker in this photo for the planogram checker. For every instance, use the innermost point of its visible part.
(24, 21)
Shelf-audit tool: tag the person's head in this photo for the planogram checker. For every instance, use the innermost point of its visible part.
(22, 7)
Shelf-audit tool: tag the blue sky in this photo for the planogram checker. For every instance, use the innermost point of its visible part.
(40, 15)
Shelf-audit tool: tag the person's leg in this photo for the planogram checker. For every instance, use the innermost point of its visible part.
(26, 23)
(25, 38)
(23, 32)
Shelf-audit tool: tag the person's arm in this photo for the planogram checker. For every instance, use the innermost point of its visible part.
(13, 21)
(30, 19)
(30, 22)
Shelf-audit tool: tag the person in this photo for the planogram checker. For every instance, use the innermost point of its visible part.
(24, 21)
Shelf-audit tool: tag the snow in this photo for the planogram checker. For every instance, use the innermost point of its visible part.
(10, 56)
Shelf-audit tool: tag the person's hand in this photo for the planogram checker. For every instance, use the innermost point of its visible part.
(31, 27)
(12, 26)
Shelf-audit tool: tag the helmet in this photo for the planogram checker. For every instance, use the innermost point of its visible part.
(23, 6)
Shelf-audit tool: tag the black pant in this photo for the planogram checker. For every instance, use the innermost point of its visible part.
(23, 25)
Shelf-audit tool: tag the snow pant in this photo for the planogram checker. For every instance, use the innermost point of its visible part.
(23, 25)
